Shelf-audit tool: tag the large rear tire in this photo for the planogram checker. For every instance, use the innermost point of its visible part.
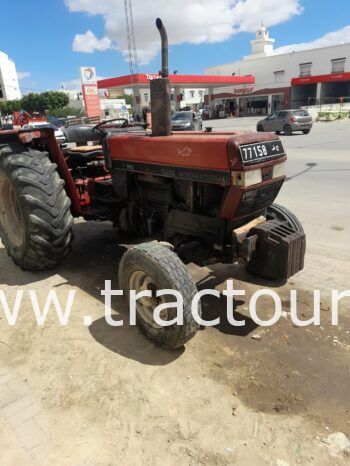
(278, 212)
(155, 267)
(35, 219)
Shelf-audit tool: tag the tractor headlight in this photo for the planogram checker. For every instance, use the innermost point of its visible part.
(248, 178)
(279, 170)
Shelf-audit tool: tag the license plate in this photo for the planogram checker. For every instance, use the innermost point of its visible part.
(259, 152)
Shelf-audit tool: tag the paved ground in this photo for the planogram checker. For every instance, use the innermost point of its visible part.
(318, 170)
(97, 395)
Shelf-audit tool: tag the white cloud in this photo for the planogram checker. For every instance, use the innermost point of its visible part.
(71, 85)
(75, 84)
(89, 43)
(23, 74)
(195, 21)
(341, 36)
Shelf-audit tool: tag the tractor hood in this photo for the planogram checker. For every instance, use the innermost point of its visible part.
(195, 150)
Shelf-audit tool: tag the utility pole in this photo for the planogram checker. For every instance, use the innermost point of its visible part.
(132, 53)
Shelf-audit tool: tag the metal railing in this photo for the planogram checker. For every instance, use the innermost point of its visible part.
(332, 103)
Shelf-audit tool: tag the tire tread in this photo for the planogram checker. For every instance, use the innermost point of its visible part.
(165, 260)
(44, 204)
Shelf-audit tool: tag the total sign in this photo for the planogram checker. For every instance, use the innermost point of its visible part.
(88, 75)
(90, 91)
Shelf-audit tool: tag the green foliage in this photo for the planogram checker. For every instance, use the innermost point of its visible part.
(67, 111)
(128, 99)
(32, 102)
(9, 106)
(47, 101)
(55, 99)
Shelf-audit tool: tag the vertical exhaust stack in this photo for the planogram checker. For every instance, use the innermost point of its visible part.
(161, 91)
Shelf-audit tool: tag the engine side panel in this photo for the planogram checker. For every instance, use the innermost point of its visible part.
(208, 152)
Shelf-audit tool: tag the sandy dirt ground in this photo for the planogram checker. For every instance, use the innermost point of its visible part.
(97, 395)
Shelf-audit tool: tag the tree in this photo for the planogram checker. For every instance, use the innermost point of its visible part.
(7, 107)
(67, 111)
(128, 99)
(33, 102)
(47, 101)
(55, 99)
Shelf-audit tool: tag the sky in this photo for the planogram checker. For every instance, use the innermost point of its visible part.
(50, 39)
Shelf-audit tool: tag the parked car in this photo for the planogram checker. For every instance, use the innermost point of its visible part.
(6, 127)
(186, 121)
(287, 121)
(59, 135)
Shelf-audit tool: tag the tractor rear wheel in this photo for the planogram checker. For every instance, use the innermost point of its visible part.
(35, 219)
(152, 266)
(282, 214)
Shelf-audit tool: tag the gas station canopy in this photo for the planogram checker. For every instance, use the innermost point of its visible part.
(177, 80)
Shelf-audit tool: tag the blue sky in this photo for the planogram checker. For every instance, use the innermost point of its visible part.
(38, 35)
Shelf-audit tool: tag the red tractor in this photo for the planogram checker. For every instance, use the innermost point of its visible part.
(24, 118)
(191, 196)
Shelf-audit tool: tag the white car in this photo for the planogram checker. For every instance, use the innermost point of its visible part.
(59, 135)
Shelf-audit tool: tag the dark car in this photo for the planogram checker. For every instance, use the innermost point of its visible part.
(287, 121)
(186, 121)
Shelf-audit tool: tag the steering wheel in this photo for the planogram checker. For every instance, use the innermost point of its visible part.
(98, 128)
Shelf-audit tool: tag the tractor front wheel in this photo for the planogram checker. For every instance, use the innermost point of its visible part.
(35, 219)
(282, 214)
(152, 266)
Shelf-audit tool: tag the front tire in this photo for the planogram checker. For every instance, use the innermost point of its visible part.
(306, 131)
(282, 214)
(260, 128)
(35, 219)
(154, 267)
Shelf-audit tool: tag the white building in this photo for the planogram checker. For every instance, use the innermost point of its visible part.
(114, 108)
(181, 98)
(9, 86)
(193, 98)
(284, 80)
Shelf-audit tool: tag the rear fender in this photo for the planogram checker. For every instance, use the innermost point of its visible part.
(46, 137)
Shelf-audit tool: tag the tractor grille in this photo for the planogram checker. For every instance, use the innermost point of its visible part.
(258, 199)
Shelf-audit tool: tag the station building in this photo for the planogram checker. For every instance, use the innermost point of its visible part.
(9, 86)
(284, 80)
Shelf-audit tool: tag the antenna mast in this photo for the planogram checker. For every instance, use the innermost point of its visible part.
(132, 53)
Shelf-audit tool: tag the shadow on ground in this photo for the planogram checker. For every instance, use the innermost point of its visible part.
(95, 258)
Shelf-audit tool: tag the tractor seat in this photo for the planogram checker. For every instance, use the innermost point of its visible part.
(85, 152)
(81, 134)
